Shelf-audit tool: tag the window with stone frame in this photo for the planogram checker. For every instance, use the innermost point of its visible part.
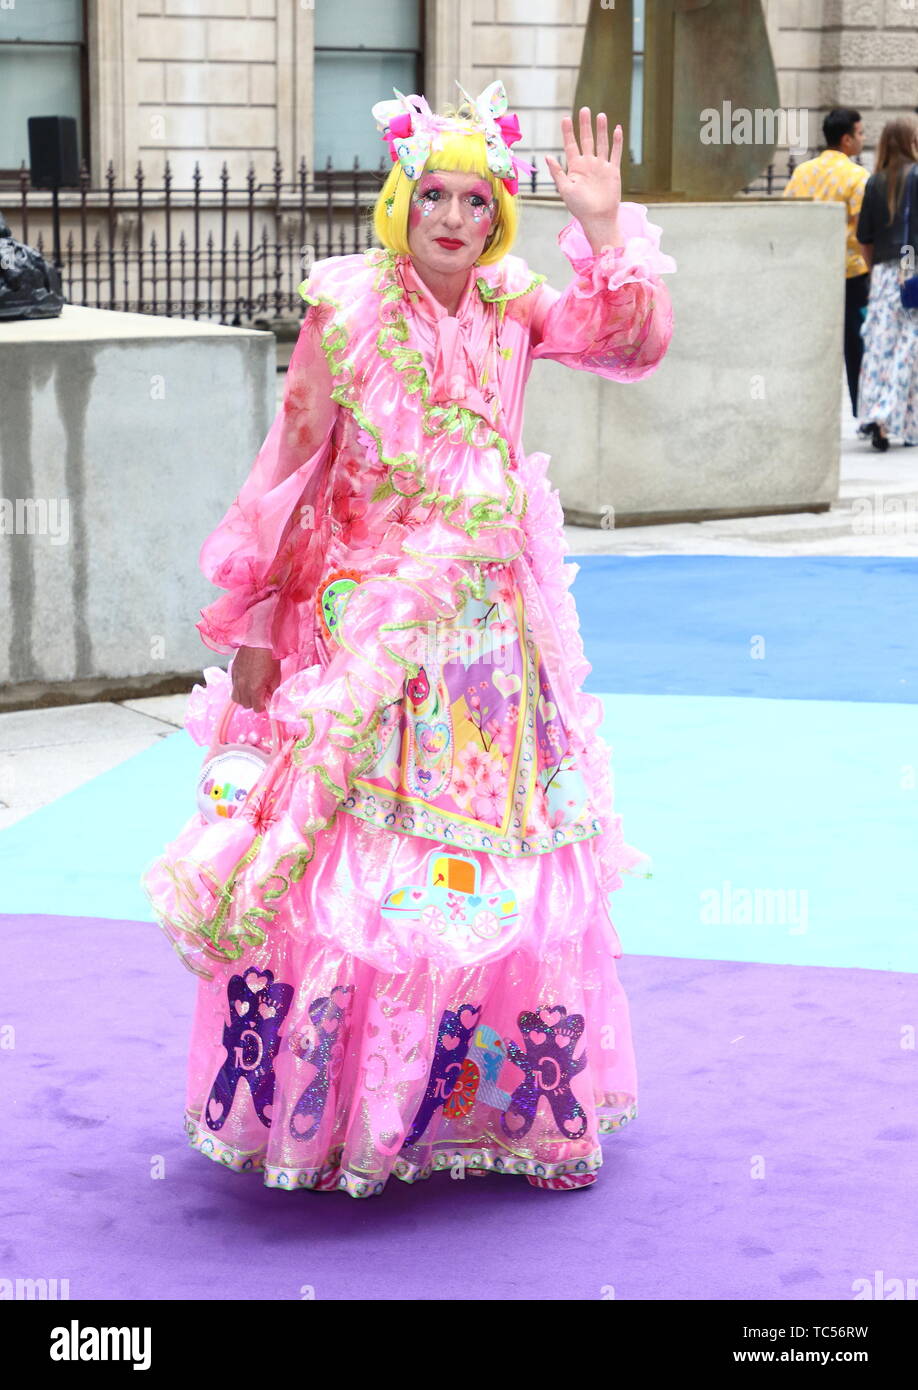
(43, 72)
(351, 75)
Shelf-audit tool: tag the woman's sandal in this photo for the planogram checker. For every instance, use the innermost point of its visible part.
(878, 440)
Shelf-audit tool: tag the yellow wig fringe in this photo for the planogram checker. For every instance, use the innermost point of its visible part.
(465, 153)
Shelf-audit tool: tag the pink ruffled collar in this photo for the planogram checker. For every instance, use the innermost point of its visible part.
(454, 378)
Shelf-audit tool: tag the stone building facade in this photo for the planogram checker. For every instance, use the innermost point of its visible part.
(235, 80)
(209, 83)
(861, 53)
(236, 75)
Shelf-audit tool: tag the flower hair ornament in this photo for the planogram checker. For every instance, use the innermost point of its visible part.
(412, 130)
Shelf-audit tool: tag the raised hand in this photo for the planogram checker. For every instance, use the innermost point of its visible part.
(591, 187)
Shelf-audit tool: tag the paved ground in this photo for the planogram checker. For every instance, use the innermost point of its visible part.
(45, 753)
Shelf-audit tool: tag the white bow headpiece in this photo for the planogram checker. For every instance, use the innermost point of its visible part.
(412, 130)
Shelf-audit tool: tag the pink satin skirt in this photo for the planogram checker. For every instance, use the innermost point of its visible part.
(485, 1030)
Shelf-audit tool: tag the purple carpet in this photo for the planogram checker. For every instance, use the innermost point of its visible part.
(773, 1157)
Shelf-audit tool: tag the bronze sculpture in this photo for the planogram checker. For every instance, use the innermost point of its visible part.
(682, 139)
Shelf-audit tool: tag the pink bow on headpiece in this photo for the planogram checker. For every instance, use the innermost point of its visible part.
(412, 130)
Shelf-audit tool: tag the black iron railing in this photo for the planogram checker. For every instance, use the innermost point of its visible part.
(227, 255)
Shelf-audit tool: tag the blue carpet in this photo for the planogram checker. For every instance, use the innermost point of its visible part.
(82, 855)
(781, 831)
(808, 628)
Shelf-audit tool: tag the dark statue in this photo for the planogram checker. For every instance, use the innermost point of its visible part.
(30, 287)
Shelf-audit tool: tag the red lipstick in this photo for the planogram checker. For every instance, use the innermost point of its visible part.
(449, 243)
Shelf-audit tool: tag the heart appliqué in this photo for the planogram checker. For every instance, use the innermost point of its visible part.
(449, 1042)
(302, 1043)
(267, 1010)
(538, 1038)
(467, 1017)
(214, 1109)
(551, 1016)
(547, 709)
(242, 1007)
(507, 682)
(301, 1123)
(573, 1124)
(433, 738)
(417, 894)
(514, 1121)
(260, 981)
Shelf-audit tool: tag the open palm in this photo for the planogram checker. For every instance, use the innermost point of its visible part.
(591, 187)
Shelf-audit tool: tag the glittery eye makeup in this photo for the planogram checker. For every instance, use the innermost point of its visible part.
(482, 209)
(479, 202)
(482, 191)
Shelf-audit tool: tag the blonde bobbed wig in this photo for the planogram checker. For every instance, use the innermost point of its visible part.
(466, 154)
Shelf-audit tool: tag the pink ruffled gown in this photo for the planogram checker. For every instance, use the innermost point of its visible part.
(403, 938)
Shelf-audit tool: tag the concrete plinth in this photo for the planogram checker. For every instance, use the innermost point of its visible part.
(123, 439)
(741, 417)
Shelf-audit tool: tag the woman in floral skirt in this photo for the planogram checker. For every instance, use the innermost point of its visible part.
(888, 388)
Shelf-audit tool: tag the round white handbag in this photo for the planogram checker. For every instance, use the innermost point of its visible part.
(232, 767)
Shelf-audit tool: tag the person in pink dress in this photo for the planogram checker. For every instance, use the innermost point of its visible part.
(402, 927)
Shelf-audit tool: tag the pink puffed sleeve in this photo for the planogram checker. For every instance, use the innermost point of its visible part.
(261, 551)
(615, 317)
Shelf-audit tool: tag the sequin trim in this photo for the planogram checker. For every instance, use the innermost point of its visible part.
(403, 816)
(359, 1185)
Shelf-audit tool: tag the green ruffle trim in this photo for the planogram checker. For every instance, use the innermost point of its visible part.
(487, 511)
(489, 293)
(491, 296)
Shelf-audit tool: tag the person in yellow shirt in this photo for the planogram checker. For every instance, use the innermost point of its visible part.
(833, 176)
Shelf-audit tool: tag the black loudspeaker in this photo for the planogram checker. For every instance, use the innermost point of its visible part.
(53, 158)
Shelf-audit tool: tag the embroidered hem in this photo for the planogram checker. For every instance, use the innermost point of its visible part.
(404, 816)
(359, 1185)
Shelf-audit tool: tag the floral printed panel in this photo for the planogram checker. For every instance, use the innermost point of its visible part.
(477, 751)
